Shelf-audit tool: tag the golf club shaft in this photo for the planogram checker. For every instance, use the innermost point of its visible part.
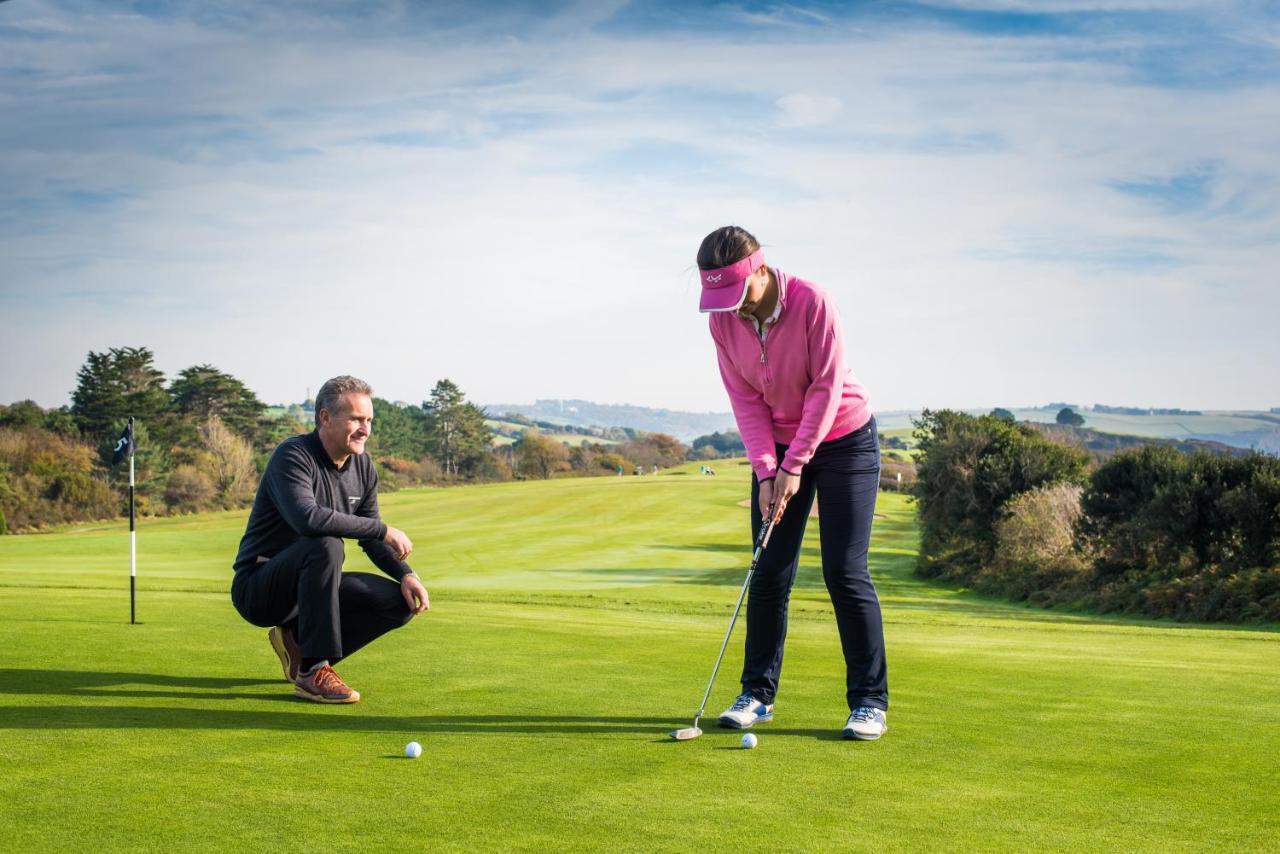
(762, 540)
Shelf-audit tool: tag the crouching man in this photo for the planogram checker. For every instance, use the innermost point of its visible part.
(319, 490)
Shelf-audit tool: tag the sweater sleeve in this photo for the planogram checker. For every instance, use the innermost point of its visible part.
(289, 482)
(382, 555)
(822, 399)
(755, 420)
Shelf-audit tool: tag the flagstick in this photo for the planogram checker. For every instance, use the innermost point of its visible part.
(133, 549)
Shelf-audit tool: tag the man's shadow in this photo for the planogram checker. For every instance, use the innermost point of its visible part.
(81, 683)
(89, 683)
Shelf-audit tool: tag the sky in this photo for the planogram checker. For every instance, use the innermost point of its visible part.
(1011, 202)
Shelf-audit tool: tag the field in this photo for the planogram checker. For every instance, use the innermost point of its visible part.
(574, 624)
(571, 439)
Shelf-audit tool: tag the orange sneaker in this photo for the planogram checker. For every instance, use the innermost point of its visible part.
(285, 643)
(323, 685)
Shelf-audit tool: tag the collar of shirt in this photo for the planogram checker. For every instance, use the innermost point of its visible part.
(762, 328)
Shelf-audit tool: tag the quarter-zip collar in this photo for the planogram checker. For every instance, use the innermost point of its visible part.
(762, 329)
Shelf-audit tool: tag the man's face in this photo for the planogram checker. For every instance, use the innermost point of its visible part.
(349, 425)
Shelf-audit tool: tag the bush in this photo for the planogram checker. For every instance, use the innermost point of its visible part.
(397, 472)
(968, 468)
(1036, 555)
(189, 489)
(716, 445)
(654, 449)
(540, 457)
(49, 479)
(1189, 536)
(596, 460)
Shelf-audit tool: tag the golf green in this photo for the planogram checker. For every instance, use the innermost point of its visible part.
(574, 624)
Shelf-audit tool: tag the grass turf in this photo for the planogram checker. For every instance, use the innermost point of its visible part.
(574, 624)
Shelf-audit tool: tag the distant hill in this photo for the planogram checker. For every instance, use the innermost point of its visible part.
(685, 426)
(1248, 429)
(1103, 445)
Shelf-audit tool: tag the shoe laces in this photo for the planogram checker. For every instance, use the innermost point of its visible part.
(327, 679)
(864, 714)
(743, 703)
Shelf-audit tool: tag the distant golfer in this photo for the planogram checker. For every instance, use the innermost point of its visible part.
(808, 430)
(318, 490)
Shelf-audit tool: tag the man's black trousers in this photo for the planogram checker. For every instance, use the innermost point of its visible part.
(335, 612)
(845, 475)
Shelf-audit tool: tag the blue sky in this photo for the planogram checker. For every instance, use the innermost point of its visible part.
(1012, 202)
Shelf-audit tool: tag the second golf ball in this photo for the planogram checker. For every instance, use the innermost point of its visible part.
(413, 750)
(749, 741)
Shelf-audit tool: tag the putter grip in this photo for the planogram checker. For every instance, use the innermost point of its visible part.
(768, 531)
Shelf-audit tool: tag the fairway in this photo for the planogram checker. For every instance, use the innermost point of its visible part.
(574, 623)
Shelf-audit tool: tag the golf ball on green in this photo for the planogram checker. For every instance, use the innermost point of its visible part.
(749, 741)
(413, 750)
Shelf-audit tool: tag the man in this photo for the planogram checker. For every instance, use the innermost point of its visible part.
(318, 490)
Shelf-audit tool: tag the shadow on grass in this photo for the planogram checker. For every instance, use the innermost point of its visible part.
(88, 683)
(307, 717)
(330, 718)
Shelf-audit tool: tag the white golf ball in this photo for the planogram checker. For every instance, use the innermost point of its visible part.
(413, 750)
(749, 741)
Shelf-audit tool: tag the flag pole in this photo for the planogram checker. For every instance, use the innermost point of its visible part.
(133, 541)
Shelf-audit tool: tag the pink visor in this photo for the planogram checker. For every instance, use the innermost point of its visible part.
(725, 288)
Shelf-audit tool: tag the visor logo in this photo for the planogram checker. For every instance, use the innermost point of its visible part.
(715, 278)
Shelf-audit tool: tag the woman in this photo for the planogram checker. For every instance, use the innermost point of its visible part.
(808, 430)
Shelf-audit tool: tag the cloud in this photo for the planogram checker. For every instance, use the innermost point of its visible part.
(799, 110)
(513, 199)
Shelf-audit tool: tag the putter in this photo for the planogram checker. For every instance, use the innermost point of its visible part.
(762, 541)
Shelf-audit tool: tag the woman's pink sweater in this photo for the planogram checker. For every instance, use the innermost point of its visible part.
(792, 388)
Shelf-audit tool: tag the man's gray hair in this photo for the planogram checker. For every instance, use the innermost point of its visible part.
(333, 390)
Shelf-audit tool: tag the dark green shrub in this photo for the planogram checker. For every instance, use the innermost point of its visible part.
(969, 467)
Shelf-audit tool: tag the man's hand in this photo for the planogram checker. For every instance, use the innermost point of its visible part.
(399, 542)
(784, 487)
(415, 595)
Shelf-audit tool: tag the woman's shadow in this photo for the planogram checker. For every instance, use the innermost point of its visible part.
(306, 717)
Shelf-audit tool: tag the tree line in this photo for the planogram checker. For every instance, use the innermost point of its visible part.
(1008, 509)
(204, 438)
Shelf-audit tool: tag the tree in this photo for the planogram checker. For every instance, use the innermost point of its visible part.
(1067, 415)
(230, 462)
(456, 434)
(24, 413)
(113, 385)
(203, 392)
(726, 444)
(654, 449)
(1002, 414)
(539, 456)
(398, 431)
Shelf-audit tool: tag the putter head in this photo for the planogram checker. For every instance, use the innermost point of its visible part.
(686, 733)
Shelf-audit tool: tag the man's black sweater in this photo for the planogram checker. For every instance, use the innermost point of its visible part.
(303, 494)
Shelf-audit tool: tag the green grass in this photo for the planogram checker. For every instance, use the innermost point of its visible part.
(574, 623)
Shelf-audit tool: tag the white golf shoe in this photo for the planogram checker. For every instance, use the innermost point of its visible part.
(745, 711)
(866, 724)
